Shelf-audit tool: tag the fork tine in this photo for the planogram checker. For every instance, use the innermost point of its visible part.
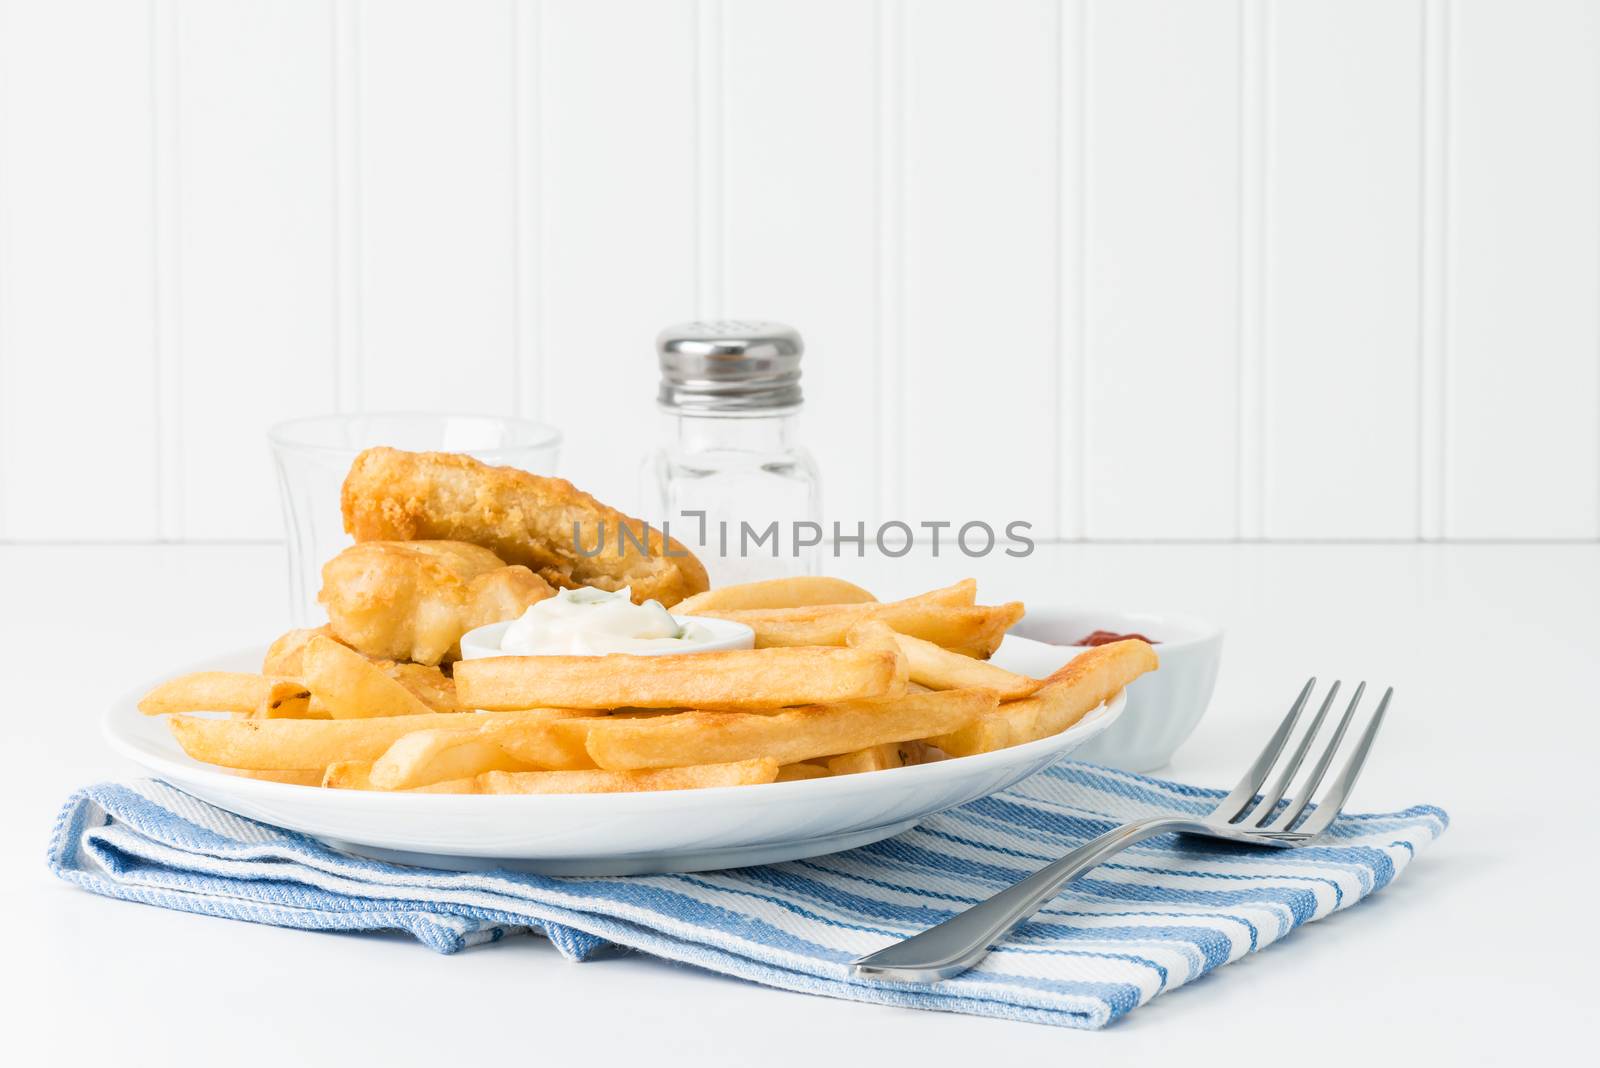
(1262, 813)
(1287, 819)
(1234, 805)
(1339, 792)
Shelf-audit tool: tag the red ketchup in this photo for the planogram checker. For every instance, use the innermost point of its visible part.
(1106, 637)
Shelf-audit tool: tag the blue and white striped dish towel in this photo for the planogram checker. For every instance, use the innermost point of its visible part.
(1158, 916)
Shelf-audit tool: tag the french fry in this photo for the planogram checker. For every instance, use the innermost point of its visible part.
(498, 744)
(424, 757)
(349, 686)
(301, 777)
(879, 636)
(961, 594)
(294, 744)
(872, 758)
(286, 655)
(797, 592)
(790, 736)
(739, 773)
(263, 696)
(880, 757)
(348, 775)
(738, 678)
(1066, 697)
(938, 668)
(973, 631)
(802, 770)
(559, 745)
(983, 735)
(430, 685)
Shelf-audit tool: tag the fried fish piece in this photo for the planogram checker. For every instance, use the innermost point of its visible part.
(413, 600)
(523, 518)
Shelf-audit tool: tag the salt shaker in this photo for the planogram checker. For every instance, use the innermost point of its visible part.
(730, 478)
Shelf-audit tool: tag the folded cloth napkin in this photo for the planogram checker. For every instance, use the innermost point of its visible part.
(1155, 917)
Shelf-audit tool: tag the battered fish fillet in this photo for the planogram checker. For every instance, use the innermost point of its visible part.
(525, 519)
(413, 600)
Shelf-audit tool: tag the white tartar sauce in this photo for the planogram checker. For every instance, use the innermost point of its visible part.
(588, 621)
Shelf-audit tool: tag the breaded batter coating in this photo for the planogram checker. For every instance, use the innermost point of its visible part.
(413, 600)
(523, 518)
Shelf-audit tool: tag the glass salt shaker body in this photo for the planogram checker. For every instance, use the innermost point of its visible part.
(730, 479)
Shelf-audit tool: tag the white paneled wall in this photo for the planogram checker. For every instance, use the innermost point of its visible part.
(1281, 269)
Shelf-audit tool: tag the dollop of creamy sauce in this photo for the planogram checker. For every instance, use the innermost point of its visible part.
(588, 622)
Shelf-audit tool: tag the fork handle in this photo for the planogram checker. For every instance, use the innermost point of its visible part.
(964, 939)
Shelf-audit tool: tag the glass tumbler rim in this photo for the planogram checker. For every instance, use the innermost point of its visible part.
(282, 434)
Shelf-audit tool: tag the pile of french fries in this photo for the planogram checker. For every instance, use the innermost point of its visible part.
(838, 684)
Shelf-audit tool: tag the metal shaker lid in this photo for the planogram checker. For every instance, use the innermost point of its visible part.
(729, 366)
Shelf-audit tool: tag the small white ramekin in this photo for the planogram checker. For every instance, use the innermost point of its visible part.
(1165, 706)
(484, 641)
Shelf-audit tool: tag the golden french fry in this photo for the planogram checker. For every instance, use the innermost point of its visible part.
(286, 655)
(554, 745)
(974, 631)
(962, 594)
(425, 757)
(739, 773)
(872, 758)
(449, 786)
(789, 736)
(430, 685)
(1066, 697)
(876, 635)
(265, 696)
(349, 686)
(983, 735)
(738, 678)
(300, 777)
(797, 592)
(348, 775)
(293, 744)
(880, 757)
(938, 668)
(433, 687)
(802, 770)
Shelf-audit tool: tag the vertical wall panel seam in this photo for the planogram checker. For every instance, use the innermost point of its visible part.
(710, 240)
(1058, 320)
(1266, 221)
(1069, 206)
(527, 207)
(697, 15)
(1446, 259)
(514, 20)
(721, 163)
(1085, 113)
(1434, 251)
(165, 269)
(889, 299)
(1254, 88)
(5, 104)
(901, 254)
(347, 253)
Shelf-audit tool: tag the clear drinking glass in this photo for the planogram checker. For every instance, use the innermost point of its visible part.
(313, 455)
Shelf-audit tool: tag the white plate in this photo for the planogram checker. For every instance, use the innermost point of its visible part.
(614, 834)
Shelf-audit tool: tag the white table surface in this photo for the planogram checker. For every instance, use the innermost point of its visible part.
(1483, 952)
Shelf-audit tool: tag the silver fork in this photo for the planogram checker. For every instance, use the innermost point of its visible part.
(963, 940)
